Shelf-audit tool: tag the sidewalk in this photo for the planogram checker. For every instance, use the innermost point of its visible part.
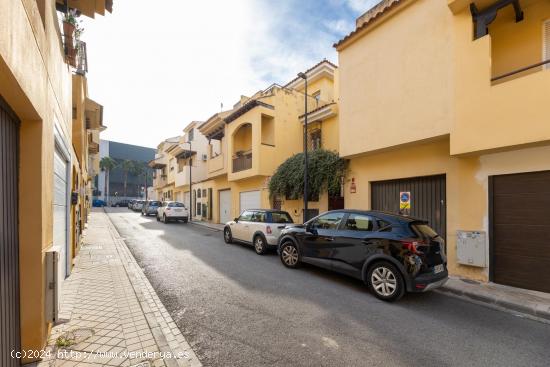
(113, 316)
(214, 226)
(530, 303)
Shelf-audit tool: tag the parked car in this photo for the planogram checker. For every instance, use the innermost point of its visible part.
(172, 211)
(131, 204)
(259, 227)
(120, 203)
(151, 207)
(392, 254)
(98, 203)
(138, 205)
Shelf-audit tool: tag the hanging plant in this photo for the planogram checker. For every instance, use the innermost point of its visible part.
(325, 169)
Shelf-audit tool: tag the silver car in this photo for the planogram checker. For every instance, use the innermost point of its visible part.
(258, 227)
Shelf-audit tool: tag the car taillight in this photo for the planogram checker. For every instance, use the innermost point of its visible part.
(412, 246)
(268, 230)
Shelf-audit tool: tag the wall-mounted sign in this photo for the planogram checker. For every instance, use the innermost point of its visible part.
(353, 187)
(404, 200)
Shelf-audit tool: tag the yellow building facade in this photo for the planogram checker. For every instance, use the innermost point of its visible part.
(453, 111)
(42, 164)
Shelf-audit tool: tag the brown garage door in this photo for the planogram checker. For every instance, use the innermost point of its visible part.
(428, 199)
(9, 243)
(520, 221)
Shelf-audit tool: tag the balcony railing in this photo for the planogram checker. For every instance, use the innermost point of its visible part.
(520, 70)
(242, 163)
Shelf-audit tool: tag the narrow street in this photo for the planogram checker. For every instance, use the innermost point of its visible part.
(239, 309)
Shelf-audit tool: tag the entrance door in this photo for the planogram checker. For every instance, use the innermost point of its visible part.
(520, 228)
(9, 242)
(428, 199)
(186, 201)
(60, 212)
(249, 200)
(225, 206)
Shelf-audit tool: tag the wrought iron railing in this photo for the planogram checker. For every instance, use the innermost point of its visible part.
(242, 163)
(520, 70)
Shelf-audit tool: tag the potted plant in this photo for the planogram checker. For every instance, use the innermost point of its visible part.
(71, 32)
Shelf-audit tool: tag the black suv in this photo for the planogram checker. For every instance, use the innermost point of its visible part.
(392, 254)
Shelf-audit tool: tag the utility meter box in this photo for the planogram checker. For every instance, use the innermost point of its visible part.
(471, 248)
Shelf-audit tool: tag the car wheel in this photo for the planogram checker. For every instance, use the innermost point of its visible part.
(227, 237)
(289, 254)
(385, 281)
(260, 244)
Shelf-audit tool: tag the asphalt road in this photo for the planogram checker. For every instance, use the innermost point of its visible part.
(239, 309)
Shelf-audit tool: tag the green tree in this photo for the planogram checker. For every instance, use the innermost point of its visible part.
(325, 170)
(140, 170)
(126, 166)
(107, 164)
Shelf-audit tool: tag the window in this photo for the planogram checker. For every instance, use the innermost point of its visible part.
(383, 226)
(190, 135)
(176, 205)
(199, 193)
(259, 217)
(203, 193)
(328, 221)
(359, 222)
(246, 216)
(315, 139)
(317, 97)
(280, 217)
(198, 212)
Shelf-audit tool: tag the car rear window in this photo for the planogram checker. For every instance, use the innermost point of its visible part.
(176, 205)
(281, 217)
(423, 230)
(155, 203)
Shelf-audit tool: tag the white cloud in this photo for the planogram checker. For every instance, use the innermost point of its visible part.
(156, 66)
(361, 6)
(340, 26)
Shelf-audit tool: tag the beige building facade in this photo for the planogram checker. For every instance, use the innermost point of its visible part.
(456, 118)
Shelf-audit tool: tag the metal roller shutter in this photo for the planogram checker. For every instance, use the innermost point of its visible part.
(250, 200)
(10, 338)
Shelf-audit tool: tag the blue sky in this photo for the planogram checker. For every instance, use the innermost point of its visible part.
(157, 69)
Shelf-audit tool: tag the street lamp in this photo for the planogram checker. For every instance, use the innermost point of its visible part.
(190, 184)
(304, 76)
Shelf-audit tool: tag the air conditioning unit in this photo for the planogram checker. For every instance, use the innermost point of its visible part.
(52, 284)
(204, 157)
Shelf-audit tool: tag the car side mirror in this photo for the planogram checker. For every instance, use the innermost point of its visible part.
(236, 220)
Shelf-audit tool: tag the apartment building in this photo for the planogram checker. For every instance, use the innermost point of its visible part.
(446, 101)
(163, 167)
(45, 155)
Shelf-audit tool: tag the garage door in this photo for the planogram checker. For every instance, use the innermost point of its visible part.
(520, 244)
(9, 242)
(225, 206)
(249, 200)
(428, 199)
(60, 211)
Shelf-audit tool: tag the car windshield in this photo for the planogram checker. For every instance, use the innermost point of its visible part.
(424, 230)
(281, 217)
(176, 205)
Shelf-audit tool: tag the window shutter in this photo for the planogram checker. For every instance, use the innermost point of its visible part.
(546, 42)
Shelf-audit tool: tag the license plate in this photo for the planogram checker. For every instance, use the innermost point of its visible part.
(178, 210)
(438, 268)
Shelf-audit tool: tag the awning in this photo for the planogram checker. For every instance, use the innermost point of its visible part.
(88, 8)
(155, 164)
(184, 154)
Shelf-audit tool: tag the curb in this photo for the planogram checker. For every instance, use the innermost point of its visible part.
(202, 225)
(530, 310)
(165, 331)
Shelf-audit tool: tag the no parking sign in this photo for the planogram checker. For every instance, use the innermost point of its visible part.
(404, 200)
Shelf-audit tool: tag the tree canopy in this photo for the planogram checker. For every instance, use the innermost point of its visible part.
(325, 169)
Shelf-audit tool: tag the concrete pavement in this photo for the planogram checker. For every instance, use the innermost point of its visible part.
(238, 308)
(111, 316)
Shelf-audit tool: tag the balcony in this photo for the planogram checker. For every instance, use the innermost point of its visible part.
(182, 177)
(216, 165)
(242, 162)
